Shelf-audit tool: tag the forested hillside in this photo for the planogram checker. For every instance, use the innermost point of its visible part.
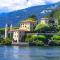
(56, 14)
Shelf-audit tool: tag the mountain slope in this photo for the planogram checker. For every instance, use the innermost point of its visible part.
(16, 16)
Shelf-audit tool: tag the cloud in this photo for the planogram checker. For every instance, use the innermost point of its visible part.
(35, 2)
(12, 5)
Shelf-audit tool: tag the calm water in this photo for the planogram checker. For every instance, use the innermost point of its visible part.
(29, 53)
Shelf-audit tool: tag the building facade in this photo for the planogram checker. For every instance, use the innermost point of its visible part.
(25, 26)
(17, 36)
(44, 20)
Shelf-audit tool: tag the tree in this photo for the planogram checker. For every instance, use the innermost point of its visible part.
(28, 38)
(33, 16)
(40, 25)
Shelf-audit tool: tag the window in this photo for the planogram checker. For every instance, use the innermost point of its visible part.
(33, 24)
(20, 32)
(25, 26)
(20, 24)
(15, 35)
(20, 35)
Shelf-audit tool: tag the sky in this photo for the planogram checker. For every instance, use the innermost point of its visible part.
(12, 5)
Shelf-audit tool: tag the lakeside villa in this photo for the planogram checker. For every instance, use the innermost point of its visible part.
(25, 26)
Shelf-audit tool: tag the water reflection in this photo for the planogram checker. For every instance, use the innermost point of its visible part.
(29, 53)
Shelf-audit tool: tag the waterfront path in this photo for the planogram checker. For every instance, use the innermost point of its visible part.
(44, 33)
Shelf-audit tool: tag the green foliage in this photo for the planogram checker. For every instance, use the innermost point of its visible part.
(31, 38)
(38, 43)
(2, 30)
(56, 14)
(41, 37)
(38, 39)
(30, 18)
(40, 26)
(56, 37)
(33, 16)
(6, 42)
(34, 37)
(58, 32)
(28, 38)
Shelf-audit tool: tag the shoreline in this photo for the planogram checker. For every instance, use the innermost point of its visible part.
(23, 45)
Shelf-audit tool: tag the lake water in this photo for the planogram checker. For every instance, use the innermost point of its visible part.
(29, 53)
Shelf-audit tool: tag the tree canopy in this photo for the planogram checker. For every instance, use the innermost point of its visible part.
(41, 25)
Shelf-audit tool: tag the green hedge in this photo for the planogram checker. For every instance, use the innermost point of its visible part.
(56, 37)
(31, 38)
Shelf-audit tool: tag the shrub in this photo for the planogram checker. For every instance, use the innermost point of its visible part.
(28, 38)
(38, 43)
(40, 25)
(56, 37)
(6, 42)
(41, 37)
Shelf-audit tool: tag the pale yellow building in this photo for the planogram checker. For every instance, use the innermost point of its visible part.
(27, 25)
